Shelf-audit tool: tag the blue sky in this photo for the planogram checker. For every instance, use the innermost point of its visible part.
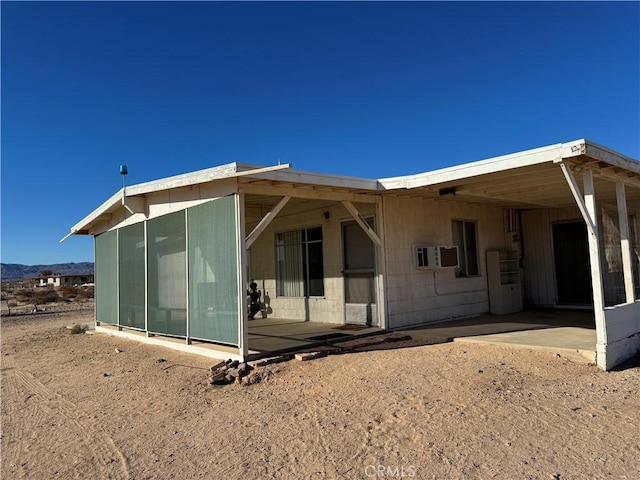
(360, 89)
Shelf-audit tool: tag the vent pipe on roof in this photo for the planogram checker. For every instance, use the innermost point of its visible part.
(123, 172)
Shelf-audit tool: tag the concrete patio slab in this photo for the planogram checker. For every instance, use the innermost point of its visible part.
(578, 344)
(569, 333)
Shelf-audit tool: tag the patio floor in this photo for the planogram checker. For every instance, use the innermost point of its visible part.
(281, 335)
(569, 333)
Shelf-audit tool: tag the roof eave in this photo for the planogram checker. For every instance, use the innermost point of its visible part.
(504, 162)
(278, 173)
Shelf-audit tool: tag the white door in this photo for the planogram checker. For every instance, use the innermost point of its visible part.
(359, 274)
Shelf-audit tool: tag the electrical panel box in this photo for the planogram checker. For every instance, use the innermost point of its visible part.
(437, 257)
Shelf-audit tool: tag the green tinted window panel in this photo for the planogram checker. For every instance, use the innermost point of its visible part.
(106, 277)
(213, 270)
(131, 254)
(167, 275)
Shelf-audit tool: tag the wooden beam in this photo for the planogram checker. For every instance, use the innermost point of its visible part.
(319, 179)
(293, 192)
(530, 179)
(625, 244)
(627, 177)
(605, 155)
(363, 223)
(577, 195)
(264, 223)
(519, 199)
(256, 171)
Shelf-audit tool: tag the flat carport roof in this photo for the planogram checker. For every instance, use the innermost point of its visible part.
(528, 179)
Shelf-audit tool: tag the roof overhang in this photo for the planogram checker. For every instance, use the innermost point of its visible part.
(529, 179)
(278, 178)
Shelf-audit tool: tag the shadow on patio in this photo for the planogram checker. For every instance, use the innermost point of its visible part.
(277, 335)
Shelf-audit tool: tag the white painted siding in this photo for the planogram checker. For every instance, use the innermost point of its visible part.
(416, 296)
(297, 215)
(623, 333)
(169, 201)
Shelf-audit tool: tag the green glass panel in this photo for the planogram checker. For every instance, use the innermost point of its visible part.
(106, 277)
(131, 253)
(167, 274)
(213, 270)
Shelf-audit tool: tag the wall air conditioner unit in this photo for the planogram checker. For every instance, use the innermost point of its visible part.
(437, 257)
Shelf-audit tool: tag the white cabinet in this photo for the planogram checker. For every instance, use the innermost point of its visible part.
(505, 285)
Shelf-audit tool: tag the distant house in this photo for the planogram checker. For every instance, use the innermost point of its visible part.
(557, 227)
(62, 280)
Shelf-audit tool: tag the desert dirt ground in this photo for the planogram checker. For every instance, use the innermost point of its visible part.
(74, 407)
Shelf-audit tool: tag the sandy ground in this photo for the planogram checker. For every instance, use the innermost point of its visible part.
(73, 407)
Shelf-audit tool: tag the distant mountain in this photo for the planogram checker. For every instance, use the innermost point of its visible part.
(16, 271)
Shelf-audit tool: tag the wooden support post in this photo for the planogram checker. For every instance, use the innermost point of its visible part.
(596, 269)
(625, 245)
(241, 252)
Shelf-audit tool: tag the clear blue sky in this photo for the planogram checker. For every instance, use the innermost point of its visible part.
(362, 89)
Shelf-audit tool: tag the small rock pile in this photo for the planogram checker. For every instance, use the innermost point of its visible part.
(248, 373)
(233, 371)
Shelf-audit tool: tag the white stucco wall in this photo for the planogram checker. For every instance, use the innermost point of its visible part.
(416, 296)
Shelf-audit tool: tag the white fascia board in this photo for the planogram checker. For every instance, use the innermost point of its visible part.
(319, 179)
(281, 173)
(491, 165)
(115, 199)
(611, 157)
(184, 180)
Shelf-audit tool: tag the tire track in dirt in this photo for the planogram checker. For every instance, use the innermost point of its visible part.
(17, 438)
(32, 409)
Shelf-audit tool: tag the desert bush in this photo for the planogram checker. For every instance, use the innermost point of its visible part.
(68, 292)
(73, 292)
(38, 296)
(85, 292)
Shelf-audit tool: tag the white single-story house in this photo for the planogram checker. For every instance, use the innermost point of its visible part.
(62, 280)
(556, 226)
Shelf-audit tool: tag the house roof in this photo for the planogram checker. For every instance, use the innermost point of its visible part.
(527, 179)
(257, 173)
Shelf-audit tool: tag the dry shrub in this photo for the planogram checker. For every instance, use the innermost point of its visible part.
(38, 296)
(85, 292)
(68, 292)
(77, 328)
